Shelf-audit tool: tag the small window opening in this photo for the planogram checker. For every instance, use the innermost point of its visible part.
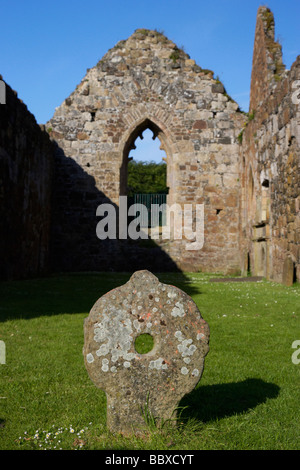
(265, 183)
(248, 264)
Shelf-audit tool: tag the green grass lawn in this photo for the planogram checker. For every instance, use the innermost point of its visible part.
(248, 397)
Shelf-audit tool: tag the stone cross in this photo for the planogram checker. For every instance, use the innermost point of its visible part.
(154, 382)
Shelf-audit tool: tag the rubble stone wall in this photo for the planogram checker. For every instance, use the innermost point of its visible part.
(26, 157)
(147, 82)
(270, 163)
(243, 169)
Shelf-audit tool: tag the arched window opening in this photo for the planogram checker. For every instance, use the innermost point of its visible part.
(147, 169)
(144, 172)
(148, 148)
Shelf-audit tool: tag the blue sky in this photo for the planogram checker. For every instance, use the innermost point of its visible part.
(46, 47)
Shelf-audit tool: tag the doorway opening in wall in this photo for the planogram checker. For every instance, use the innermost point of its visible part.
(294, 273)
(146, 175)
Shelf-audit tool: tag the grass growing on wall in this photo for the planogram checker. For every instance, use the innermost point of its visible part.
(248, 397)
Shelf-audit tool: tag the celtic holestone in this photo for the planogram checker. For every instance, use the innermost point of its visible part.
(151, 384)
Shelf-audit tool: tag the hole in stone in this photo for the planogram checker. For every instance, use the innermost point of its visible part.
(218, 211)
(265, 183)
(144, 343)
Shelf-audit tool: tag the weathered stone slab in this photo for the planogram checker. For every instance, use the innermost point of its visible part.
(159, 378)
(288, 272)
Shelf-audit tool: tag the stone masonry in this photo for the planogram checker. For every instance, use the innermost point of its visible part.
(26, 162)
(243, 168)
(147, 82)
(270, 162)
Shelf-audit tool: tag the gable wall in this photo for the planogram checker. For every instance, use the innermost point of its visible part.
(147, 79)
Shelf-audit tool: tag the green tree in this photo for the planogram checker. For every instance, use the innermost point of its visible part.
(147, 178)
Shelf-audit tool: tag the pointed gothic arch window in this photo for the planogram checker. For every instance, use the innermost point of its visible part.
(144, 180)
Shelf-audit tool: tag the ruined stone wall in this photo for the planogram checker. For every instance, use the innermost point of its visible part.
(270, 167)
(26, 155)
(249, 181)
(146, 82)
(267, 66)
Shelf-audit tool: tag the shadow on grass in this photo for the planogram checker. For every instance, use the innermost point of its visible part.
(212, 402)
(68, 293)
